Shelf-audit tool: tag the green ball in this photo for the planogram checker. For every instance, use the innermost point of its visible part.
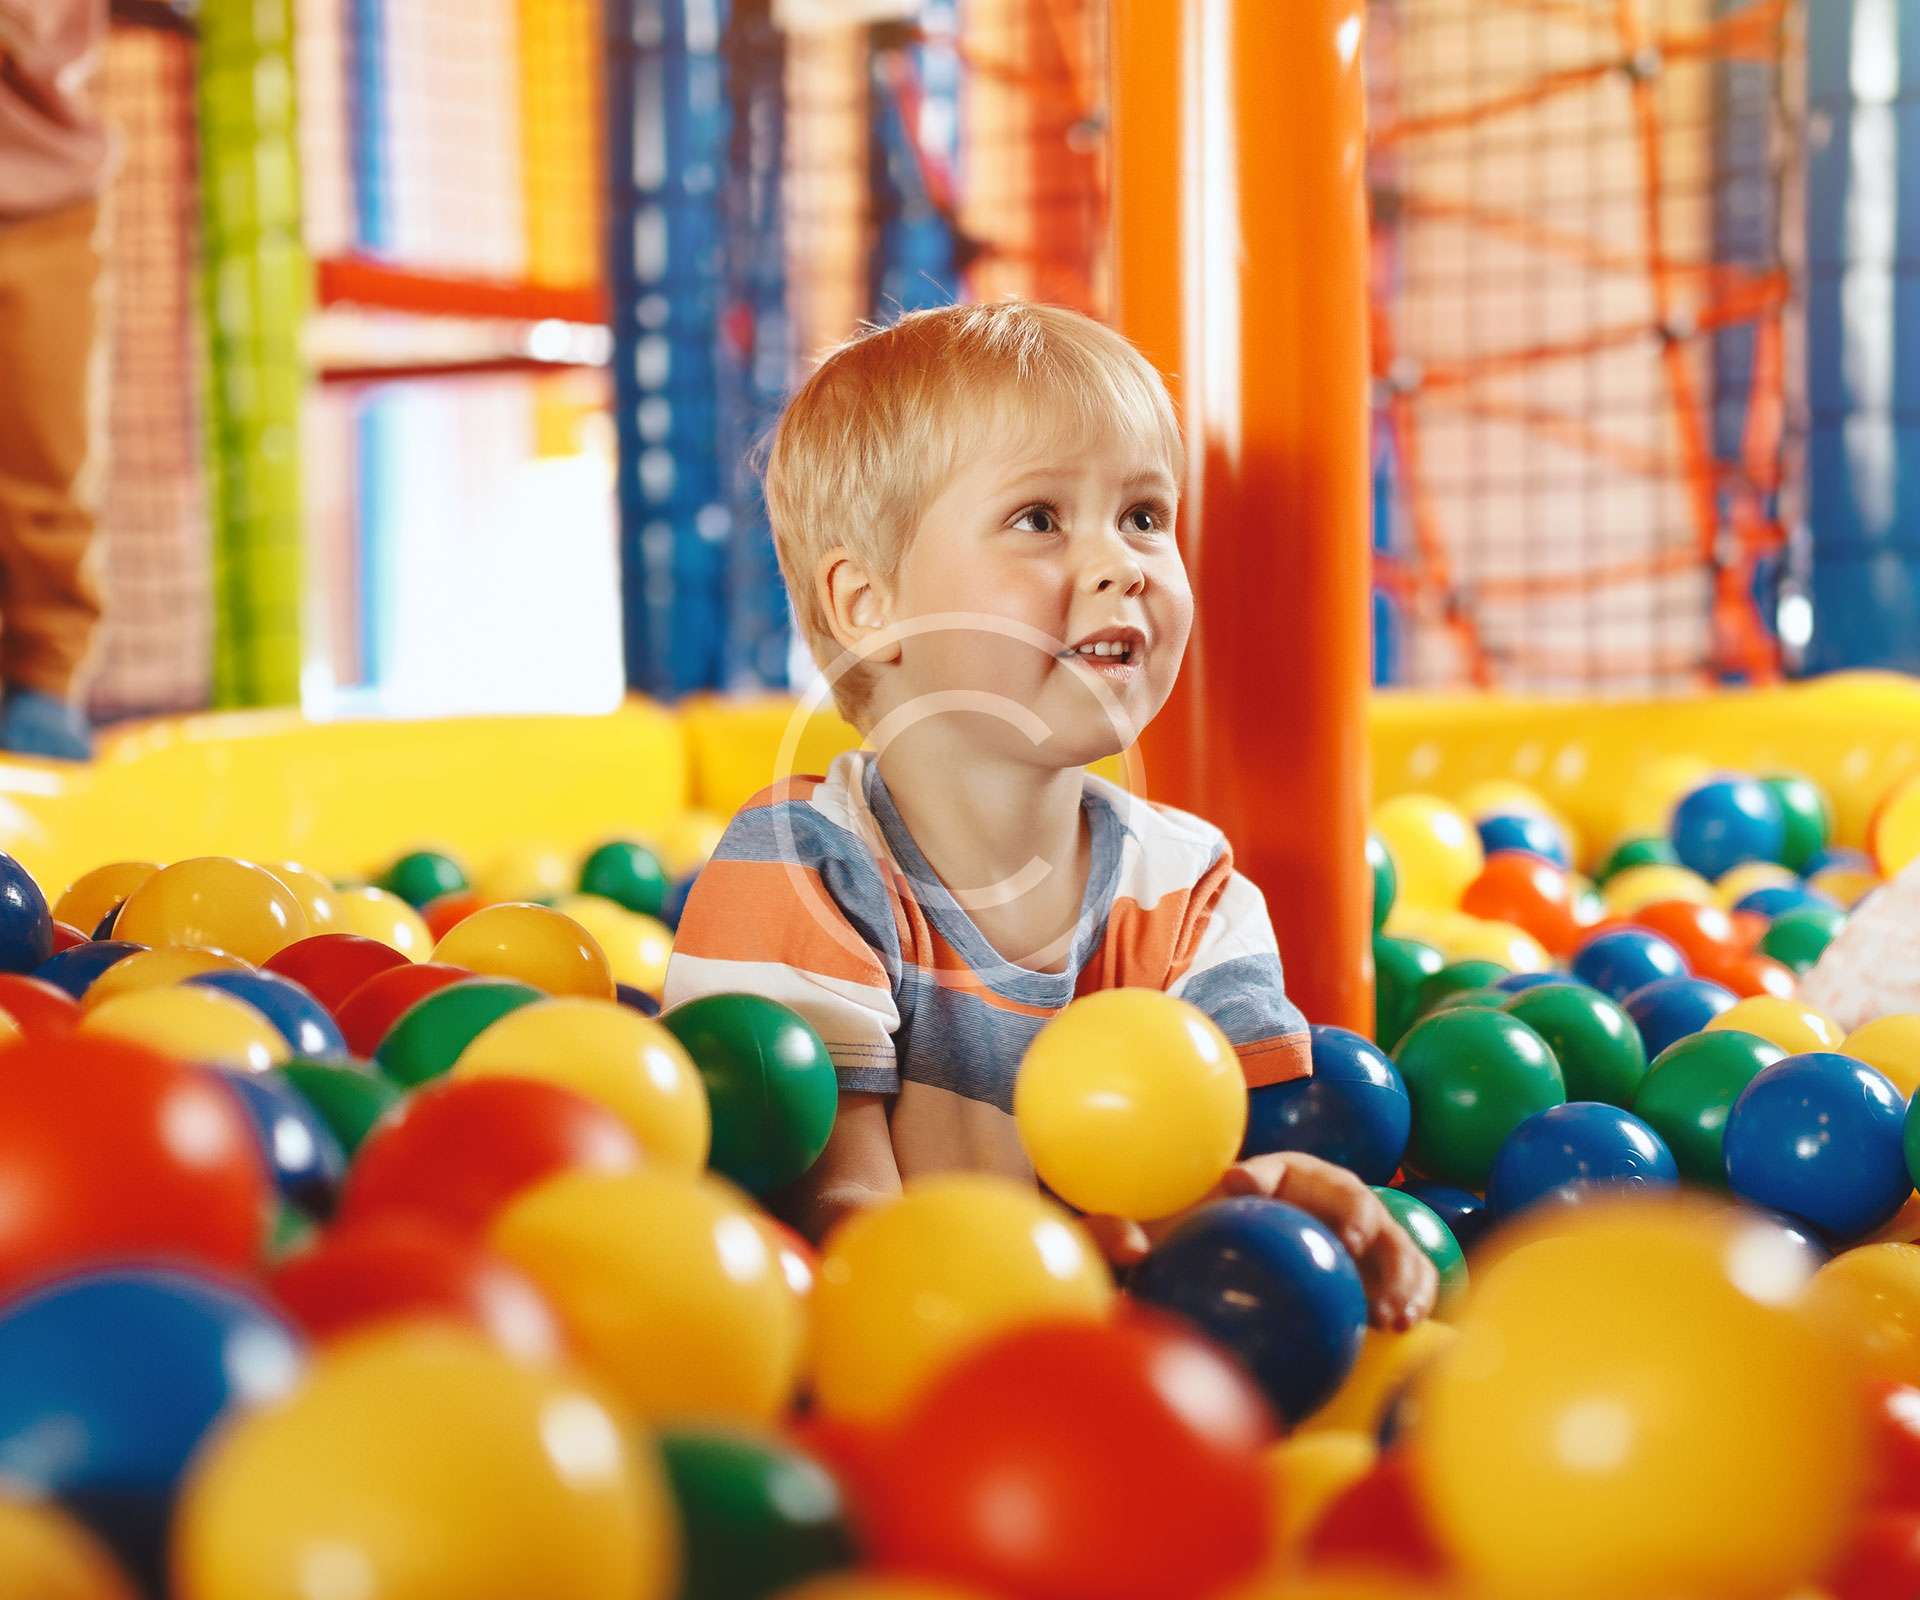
(1912, 1135)
(423, 875)
(1648, 851)
(1457, 978)
(627, 873)
(1598, 1047)
(432, 1033)
(1400, 966)
(1473, 1076)
(1485, 999)
(1429, 1231)
(756, 1516)
(1386, 882)
(1799, 938)
(769, 1080)
(1808, 817)
(292, 1231)
(349, 1099)
(1691, 1087)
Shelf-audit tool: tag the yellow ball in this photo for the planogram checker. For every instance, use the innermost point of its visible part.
(315, 893)
(378, 914)
(1388, 1361)
(1870, 1298)
(1893, 835)
(907, 1287)
(1307, 1472)
(1130, 1103)
(534, 944)
(1891, 1044)
(45, 1555)
(685, 842)
(669, 1288)
(1795, 1028)
(1846, 885)
(1734, 885)
(216, 904)
(1460, 937)
(156, 969)
(93, 894)
(525, 872)
(611, 1054)
(637, 947)
(1627, 891)
(418, 1463)
(1436, 850)
(1638, 1404)
(201, 1025)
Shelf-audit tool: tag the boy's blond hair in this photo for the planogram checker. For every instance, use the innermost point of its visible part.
(871, 437)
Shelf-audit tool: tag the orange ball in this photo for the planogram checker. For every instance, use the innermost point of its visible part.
(1531, 893)
(532, 943)
(1700, 933)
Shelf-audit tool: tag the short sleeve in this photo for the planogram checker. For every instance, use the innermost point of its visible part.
(792, 907)
(1228, 964)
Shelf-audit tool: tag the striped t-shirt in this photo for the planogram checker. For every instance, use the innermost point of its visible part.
(818, 897)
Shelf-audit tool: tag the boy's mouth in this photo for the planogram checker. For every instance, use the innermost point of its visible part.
(1109, 650)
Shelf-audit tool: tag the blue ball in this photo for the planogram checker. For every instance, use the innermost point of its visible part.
(1627, 959)
(110, 1380)
(26, 925)
(298, 1147)
(75, 969)
(1779, 898)
(1727, 823)
(637, 999)
(306, 1025)
(1514, 982)
(1838, 855)
(103, 929)
(1272, 1286)
(1535, 835)
(1668, 1009)
(1575, 1147)
(1819, 1136)
(1466, 1215)
(676, 901)
(1353, 1111)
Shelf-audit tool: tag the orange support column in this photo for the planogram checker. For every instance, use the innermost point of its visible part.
(1240, 259)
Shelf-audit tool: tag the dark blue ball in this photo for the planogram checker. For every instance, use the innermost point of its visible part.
(1353, 1111)
(676, 901)
(1838, 855)
(1272, 1286)
(110, 1380)
(306, 1025)
(298, 1147)
(1467, 1216)
(1626, 959)
(1575, 1147)
(1727, 823)
(1515, 982)
(103, 929)
(1669, 1009)
(638, 999)
(75, 969)
(26, 925)
(1777, 899)
(1819, 1136)
(1535, 835)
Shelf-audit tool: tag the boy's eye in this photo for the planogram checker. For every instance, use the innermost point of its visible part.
(1038, 519)
(1144, 519)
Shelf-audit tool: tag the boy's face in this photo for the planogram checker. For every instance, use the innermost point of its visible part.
(1031, 549)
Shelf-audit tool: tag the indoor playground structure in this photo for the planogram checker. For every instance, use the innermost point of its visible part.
(371, 1230)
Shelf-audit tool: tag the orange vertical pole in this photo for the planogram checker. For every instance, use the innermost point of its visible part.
(1240, 267)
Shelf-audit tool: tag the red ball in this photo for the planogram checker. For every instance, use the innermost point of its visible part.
(856, 1454)
(1700, 933)
(1378, 1521)
(408, 1267)
(332, 965)
(1530, 892)
(1747, 975)
(111, 1150)
(42, 1009)
(1081, 1461)
(367, 1014)
(1749, 928)
(442, 913)
(799, 1262)
(1895, 1426)
(66, 936)
(1881, 1560)
(461, 1148)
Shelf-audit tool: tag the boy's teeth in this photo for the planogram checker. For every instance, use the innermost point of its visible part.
(1106, 647)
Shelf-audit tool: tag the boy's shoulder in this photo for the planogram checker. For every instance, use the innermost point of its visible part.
(1163, 833)
(807, 816)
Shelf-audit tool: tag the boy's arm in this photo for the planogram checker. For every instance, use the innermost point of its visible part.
(855, 1171)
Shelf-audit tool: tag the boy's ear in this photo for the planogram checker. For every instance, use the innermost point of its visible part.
(857, 610)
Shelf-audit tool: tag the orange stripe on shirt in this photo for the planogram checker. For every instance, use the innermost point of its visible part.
(774, 911)
(949, 969)
(1276, 1060)
(1203, 899)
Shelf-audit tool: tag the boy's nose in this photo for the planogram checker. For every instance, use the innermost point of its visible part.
(1117, 569)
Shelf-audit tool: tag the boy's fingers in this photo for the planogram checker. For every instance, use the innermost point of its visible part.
(1121, 1240)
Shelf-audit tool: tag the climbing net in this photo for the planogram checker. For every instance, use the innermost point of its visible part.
(1579, 309)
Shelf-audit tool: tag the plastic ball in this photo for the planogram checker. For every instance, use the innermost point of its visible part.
(330, 966)
(1736, 886)
(314, 892)
(770, 1084)
(47, 1555)
(76, 970)
(1306, 1472)
(214, 903)
(1893, 832)
(156, 969)
(1130, 1103)
(675, 905)
(906, 1287)
(130, 1370)
(1269, 1284)
(636, 1000)
(1699, 932)
(1727, 822)
(1474, 1076)
(1749, 976)
(532, 944)
(458, 1151)
(1435, 849)
(1353, 1110)
(1779, 900)
(756, 1514)
(421, 1461)
(1593, 1419)
(1669, 1009)
(637, 947)
(1378, 1525)
(627, 873)
(1531, 893)
(1465, 1214)
(193, 1025)
(1895, 1412)
(347, 1096)
(296, 1144)
(1458, 977)
(1385, 885)
(668, 1288)
(94, 894)
(421, 876)
(446, 912)
(370, 1011)
(26, 924)
(1645, 851)
(1881, 1560)
(1798, 938)
(1132, 1450)
(614, 1057)
(1891, 1044)
(1806, 818)
(1400, 967)
(1597, 1045)
(66, 936)
(1536, 834)
(1462, 938)
(1868, 1300)
(1428, 1229)
(1575, 1147)
(432, 1034)
(878, 1586)
(1796, 1029)
(43, 1010)
(1627, 959)
(1633, 888)
(1689, 1090)
(298, 1017)
(376, 914)
(1844, 886)
(1818, 1136)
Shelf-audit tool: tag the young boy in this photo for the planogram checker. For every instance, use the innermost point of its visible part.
(974, 513)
